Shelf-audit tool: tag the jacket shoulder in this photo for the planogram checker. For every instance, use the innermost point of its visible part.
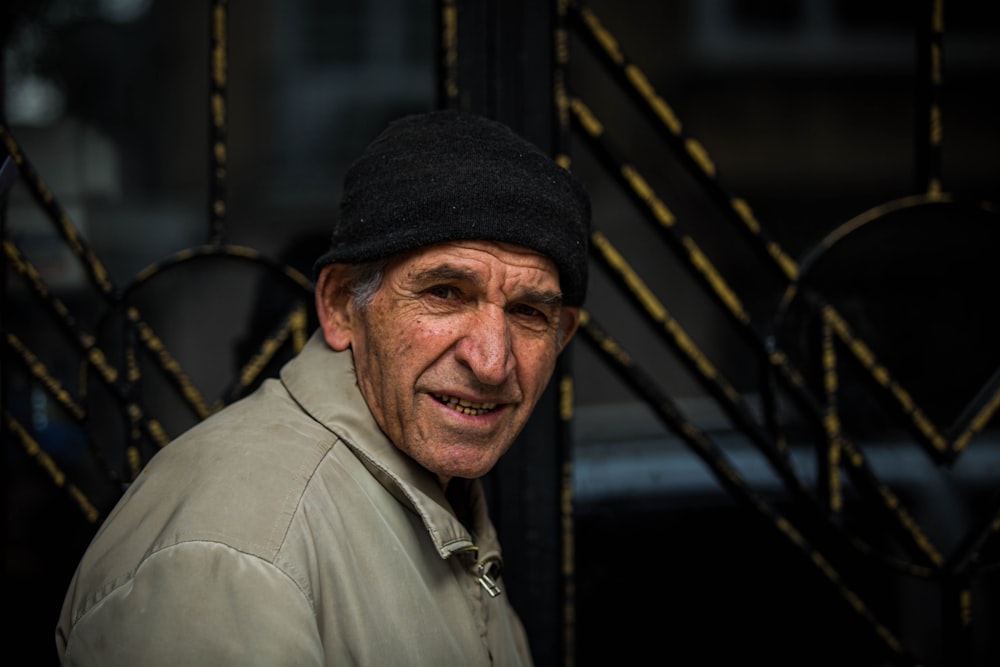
(235, 479)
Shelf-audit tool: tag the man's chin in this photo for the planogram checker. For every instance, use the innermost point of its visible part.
(467, 469)
(450, 453)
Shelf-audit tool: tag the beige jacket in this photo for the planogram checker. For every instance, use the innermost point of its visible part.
(287, 530)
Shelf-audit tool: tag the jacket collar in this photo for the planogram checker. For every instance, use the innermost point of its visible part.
(323, 382)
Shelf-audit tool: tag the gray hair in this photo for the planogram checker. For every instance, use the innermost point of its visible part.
(364, 280)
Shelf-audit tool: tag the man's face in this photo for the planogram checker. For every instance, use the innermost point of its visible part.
(455, 350)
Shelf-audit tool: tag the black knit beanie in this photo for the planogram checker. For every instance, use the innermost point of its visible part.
(453, 176)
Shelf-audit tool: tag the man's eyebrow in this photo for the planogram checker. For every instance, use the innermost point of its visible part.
(539, 297)
(446, 272)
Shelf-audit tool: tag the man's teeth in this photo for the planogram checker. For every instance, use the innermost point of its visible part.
(470, 408)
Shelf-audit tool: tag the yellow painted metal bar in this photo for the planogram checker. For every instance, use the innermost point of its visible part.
(696, 153)
(728, 475)
(218, 119)
(58, 476)
(95, 269)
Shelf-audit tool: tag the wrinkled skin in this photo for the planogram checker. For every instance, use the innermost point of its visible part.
(455, 350)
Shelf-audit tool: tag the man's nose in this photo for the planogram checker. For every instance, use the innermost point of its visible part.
(485, 346)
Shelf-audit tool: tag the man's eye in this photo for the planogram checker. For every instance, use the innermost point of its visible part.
(529, 311)
(442, 291)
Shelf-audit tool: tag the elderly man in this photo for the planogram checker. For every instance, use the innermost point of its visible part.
(335, 516)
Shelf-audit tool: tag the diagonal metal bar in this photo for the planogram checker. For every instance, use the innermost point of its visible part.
(121, 384)
(977, 415)
(729, 399)
(701, 268)
(290, 331)
(62, 397)
(83, 341)
(728, 477)
(938, 444)
(158, 348)
(631, 79)
(82, 251)
(971, 553)
(943, 445)
(59, 479)
(64, 226)
(691, 152)
(646, 199)
(172, 369)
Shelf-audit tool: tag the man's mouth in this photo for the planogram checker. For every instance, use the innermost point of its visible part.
(470, 408)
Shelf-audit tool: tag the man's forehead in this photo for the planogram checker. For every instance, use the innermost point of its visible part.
(490, 254)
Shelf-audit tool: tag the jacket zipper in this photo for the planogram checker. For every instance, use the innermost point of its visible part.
(484, 570)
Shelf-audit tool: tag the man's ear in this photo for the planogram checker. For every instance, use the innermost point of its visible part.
(334, 306)
(569, 320)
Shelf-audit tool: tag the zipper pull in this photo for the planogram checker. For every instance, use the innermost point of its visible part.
(486, 580)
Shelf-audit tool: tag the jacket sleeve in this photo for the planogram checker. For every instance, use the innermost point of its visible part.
(196, 603)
